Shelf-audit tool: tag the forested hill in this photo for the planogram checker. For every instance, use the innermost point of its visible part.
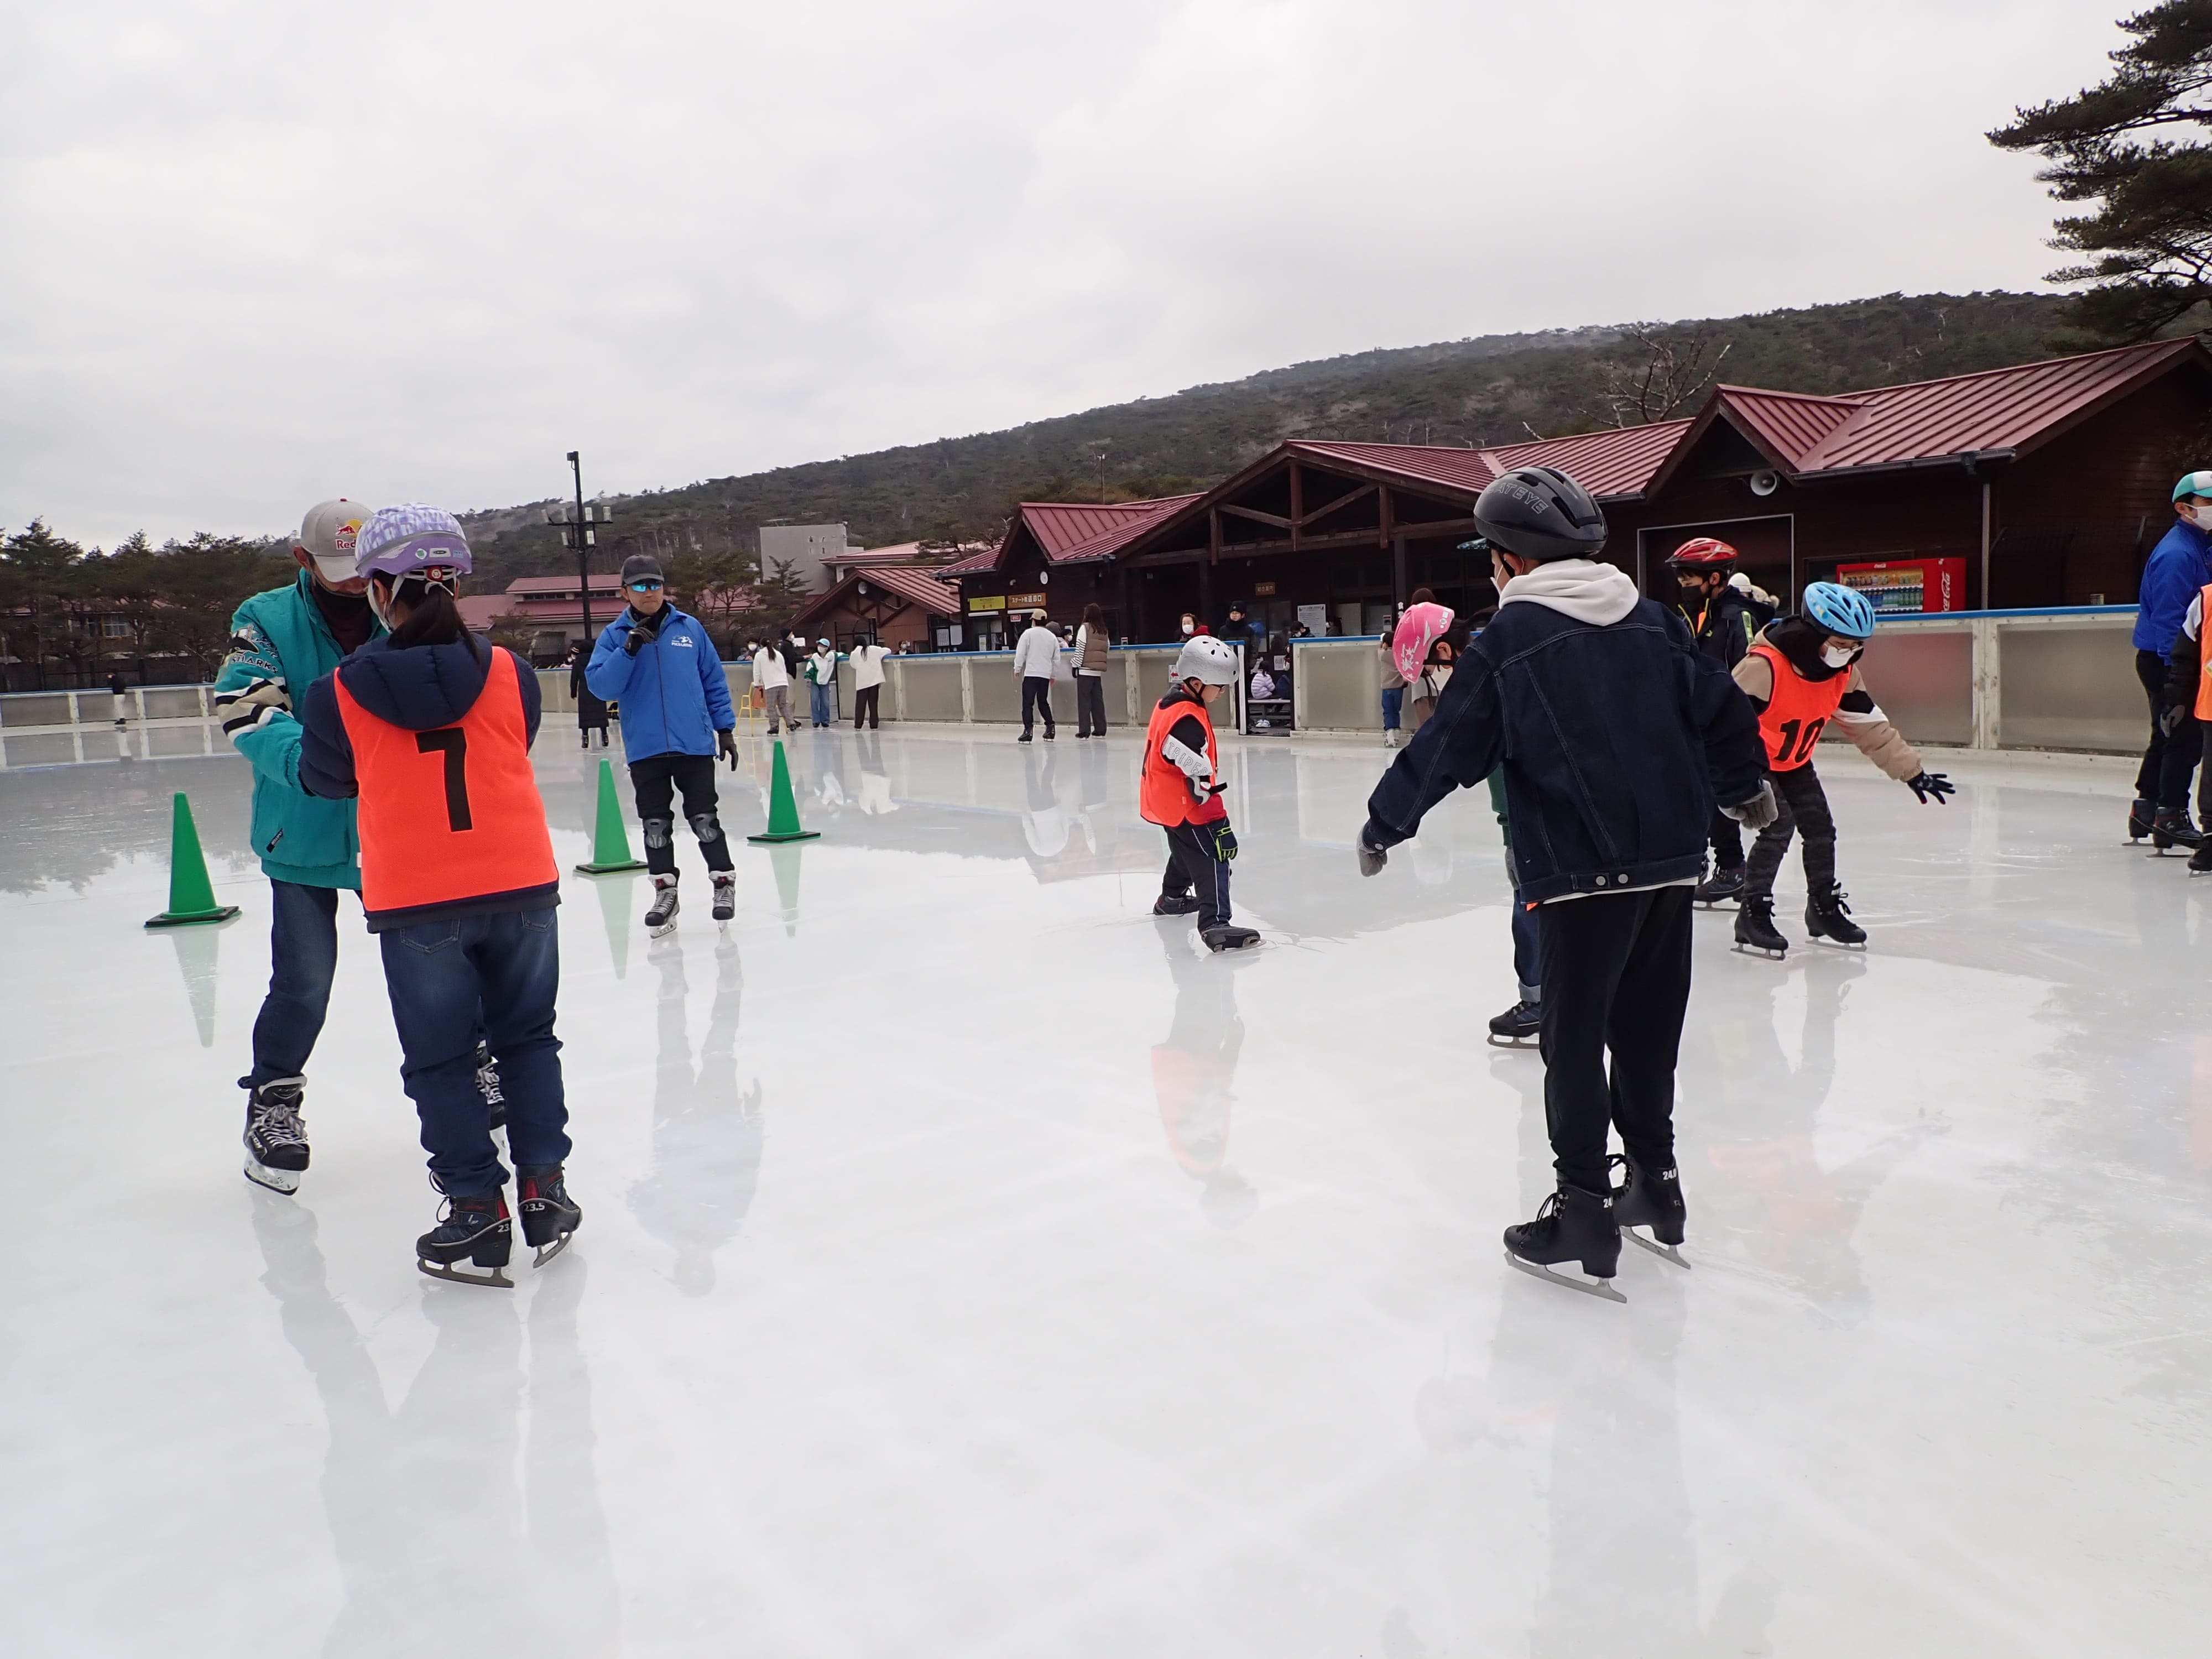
(1494, 389)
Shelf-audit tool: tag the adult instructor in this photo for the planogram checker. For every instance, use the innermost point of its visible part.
(2177, 569)
(660, 664)
(281, 643)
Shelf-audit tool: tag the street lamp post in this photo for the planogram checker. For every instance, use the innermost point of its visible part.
(577, 531)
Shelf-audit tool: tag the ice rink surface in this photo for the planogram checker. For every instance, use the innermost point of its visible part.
(970, 1267)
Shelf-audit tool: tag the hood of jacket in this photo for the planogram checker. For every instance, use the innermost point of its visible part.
(1587, 590)
(418, 688)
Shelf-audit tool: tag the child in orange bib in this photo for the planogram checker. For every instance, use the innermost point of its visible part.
(1179, 788)
(431, 728)
(1803, 676)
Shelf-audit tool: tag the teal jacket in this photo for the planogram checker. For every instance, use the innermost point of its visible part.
(280, 636)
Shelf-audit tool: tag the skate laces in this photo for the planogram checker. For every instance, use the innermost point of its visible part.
(278, 1123)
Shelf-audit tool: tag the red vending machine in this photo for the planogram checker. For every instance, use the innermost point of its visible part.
(1905, 587)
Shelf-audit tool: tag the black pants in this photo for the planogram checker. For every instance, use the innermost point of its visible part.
(1036, 699)
(1805, 812)
(1616, 977)
(2168, 759)
(1089, 705)
(1726, 837)
(1192, 868)
(656, 779)
(864, 699)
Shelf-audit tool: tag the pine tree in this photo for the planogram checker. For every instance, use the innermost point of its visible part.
(2131, 145)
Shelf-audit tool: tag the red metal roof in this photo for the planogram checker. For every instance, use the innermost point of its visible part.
(970, 565)
(1610, 463)
(918, 585)
(1078, 530)
(528, 586)
(1791, 425)
(2013, 408)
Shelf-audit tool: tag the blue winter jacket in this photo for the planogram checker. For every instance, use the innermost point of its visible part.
(2177, 569)
(280, 636)
(673, 696)
(1615, 741)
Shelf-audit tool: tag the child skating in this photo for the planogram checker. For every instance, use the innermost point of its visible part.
(1180, 787)
(1801, 674)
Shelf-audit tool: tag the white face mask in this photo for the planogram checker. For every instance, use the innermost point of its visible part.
(2199, 516)
(1189, 628)
(1838, 656)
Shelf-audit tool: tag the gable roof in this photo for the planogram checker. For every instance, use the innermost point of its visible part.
(917, 585)
(1613, 463)
(1075, 532)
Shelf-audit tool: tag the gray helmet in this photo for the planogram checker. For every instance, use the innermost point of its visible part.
(1207, 660)
(1540, 512)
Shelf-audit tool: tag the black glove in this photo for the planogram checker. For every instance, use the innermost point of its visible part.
(1371, 856)
(2170, 720)
(1224, 843)
(643, 631)
(728, 744)
(1931, 785)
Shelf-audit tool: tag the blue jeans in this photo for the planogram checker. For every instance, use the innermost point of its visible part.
(1393, 704)
(438, 972)
(303, 956)
(818, 696)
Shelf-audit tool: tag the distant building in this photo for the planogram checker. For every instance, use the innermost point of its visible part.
(548, 610)
(809, 549)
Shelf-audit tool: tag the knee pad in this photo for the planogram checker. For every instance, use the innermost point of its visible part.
(657, 832)
(707, 826)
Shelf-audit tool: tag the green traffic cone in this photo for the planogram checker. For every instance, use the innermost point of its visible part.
(192, 894)
(609, 839)
(782, 806)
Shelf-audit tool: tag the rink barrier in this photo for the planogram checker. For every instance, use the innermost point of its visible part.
(2060, 679)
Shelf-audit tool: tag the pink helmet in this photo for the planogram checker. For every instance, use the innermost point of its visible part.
(1421, 626)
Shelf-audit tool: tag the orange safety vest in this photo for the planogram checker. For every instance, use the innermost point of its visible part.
(2204, 654)
(453, 814)
(1164, 795)
(1798, 712)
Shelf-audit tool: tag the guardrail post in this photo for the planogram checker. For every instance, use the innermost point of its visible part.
(967, 690)
(1987, 692)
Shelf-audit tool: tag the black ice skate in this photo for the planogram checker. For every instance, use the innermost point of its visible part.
(1229, 937)
(1185, 906)
(550, 1217)
(661, 920)
(725, 894)
(2140, 817)
(1720, 887)
(1826, 916)
(487, 1084)
(1650, 1199)
(1518, 1026)
(276, 1140)
(2174, 830)
(473, 1230)
(2200, 861)
(1573, 1225)
(1755, 931)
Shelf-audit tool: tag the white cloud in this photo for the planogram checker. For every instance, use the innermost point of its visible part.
(262, 253)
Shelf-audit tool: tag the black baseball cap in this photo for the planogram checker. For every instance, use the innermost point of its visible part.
(640, 564)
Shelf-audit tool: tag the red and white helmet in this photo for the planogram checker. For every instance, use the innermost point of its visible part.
(1704, 553)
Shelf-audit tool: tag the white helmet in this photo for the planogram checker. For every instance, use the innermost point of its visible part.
(1208, 659)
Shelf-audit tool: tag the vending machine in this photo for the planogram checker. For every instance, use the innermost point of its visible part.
(1904, 587)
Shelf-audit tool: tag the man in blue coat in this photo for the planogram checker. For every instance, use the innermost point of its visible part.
(660, 664)
(2177, 571)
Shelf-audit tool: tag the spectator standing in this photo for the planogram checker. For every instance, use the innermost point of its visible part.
(118, 687)
(820, 680)
(282, 641)
(867, 683)
(660, 664)
(459, 885)
(1036, 657)
(1241, 629)
(2179, 567)
(793, 648)
(1092, 644)
(591, 707)
(772, 679)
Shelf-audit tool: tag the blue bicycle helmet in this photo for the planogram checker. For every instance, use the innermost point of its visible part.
(1840, 610)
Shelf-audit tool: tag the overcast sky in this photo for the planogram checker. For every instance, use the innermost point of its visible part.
(260, 253)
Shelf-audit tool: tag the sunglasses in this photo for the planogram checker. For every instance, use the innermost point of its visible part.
(645, 585)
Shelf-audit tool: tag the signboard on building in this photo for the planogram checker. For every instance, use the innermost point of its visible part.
(1263, 590)
(986, 602)
(1026, 601)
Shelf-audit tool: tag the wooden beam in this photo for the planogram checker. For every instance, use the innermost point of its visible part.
(1359, 538)
(1254, 514)
(1213, 533)
(1327, 509)
(1382, 517)
(1298, 502)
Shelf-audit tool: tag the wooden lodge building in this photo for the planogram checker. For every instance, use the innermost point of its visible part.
(2048, 483)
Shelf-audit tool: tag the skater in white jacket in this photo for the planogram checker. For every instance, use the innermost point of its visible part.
(773, 680)
(1036, 657)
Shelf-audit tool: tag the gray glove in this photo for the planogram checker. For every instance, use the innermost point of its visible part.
(1761, 810)
(1371, 856)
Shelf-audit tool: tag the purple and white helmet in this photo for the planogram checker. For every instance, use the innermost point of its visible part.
(412, 539)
